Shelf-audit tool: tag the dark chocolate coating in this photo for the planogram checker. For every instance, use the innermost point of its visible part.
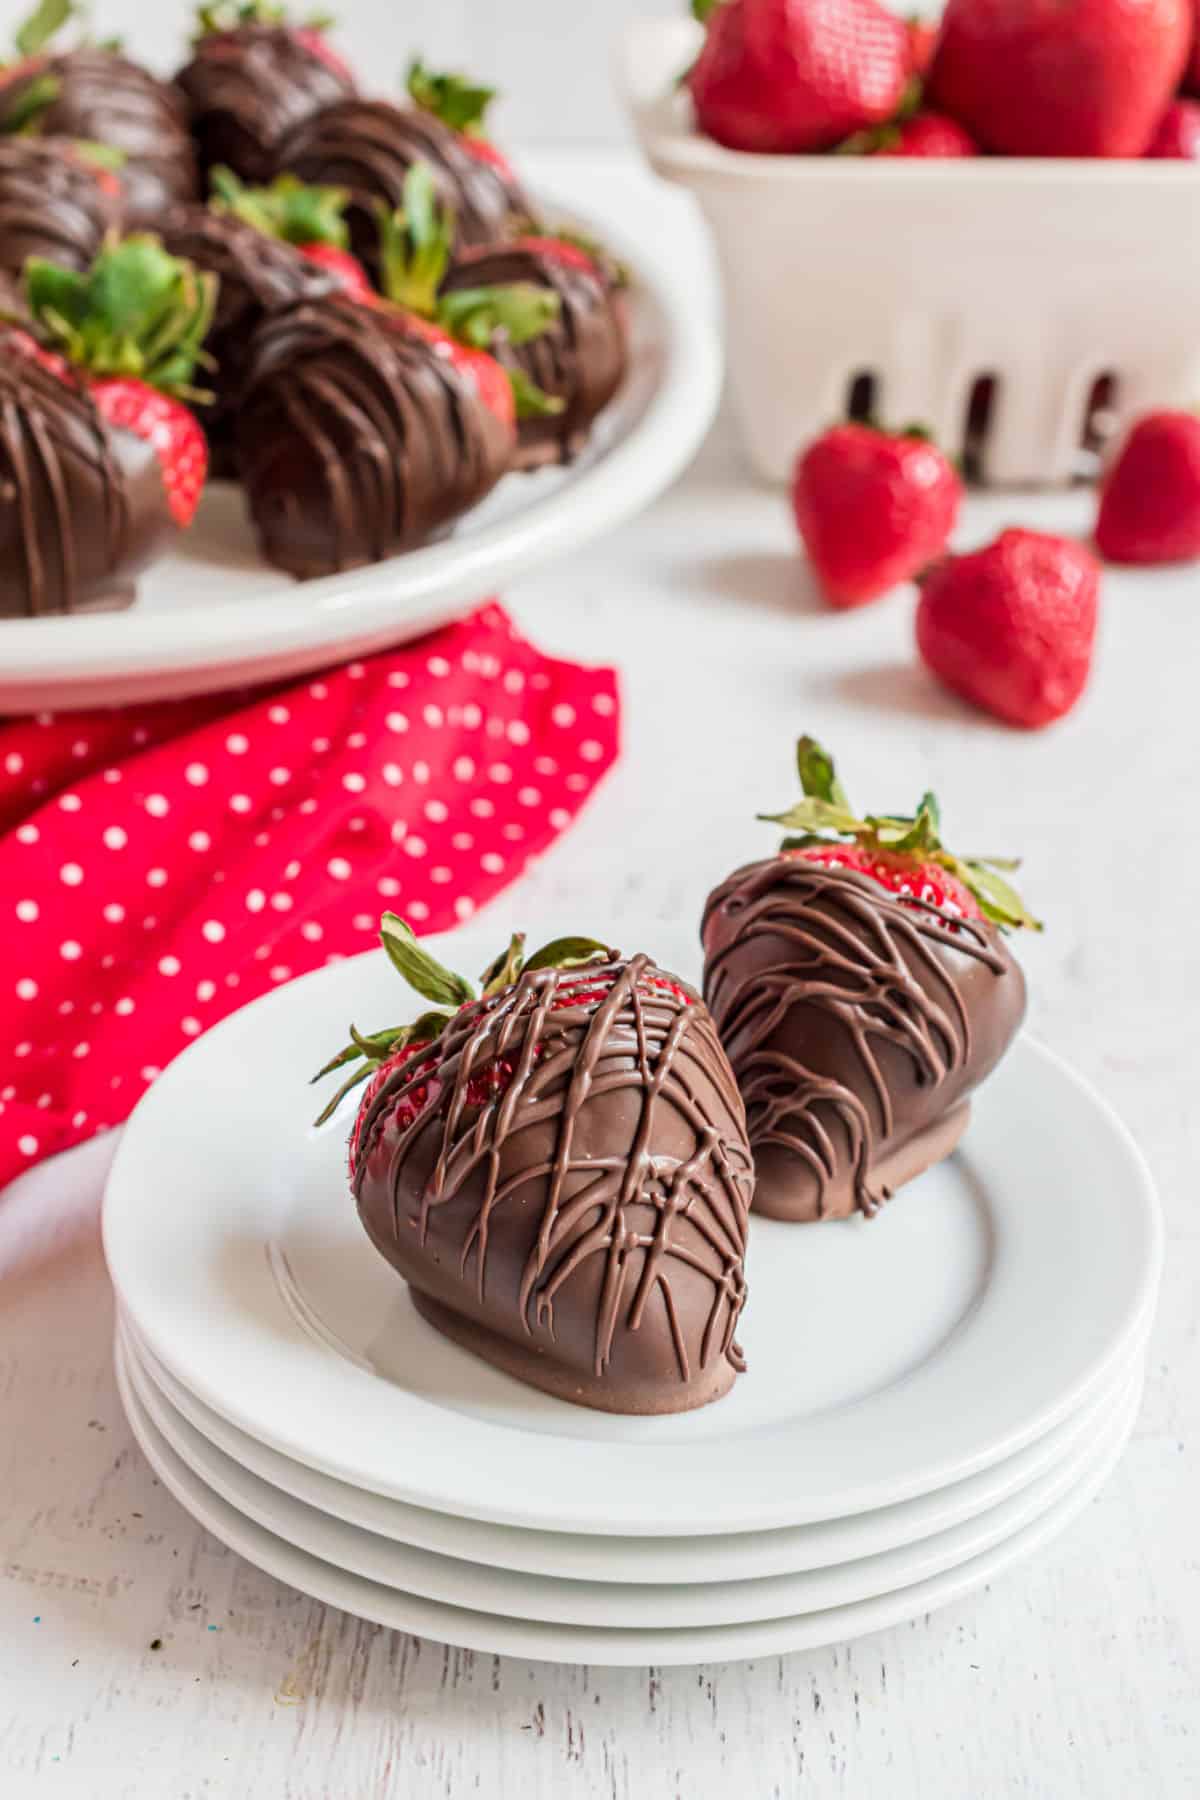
(583, 1225)
(257, 276)
(82, 507)
(109, 100)
(356, 438)
(368, 147)
(51, 204)
(854, 1023)
(580, 359)
(246, 88)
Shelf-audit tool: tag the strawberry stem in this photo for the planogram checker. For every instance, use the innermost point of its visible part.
(288, 209)
(457, 102)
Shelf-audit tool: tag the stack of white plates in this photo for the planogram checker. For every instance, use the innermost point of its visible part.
(930, 1397)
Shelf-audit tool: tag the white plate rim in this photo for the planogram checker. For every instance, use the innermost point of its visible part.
(699, 1559)
(628, 1648)
(480, 1586)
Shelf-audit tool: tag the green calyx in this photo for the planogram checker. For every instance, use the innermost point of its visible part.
(515, 312)
(44, 23)
(23, 112)
(137, 312)
(229, 15)
(824, 816)
(448, 992)
(287, 209)
(457, 102)
(704, 9)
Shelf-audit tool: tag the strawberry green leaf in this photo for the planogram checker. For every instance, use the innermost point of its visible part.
(23, 112)
(998, 899)
(816, 815)
(356, 1080)
(42, 24)
(288, 209)
(818, 777)
(531, 401)
(504, 969)
(704, 9)
(415, 244)
(376, 1048)
(514, 312)
(568, 953)
(422, 971)
(453, 99)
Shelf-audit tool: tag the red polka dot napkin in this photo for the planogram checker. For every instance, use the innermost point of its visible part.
(162, 865)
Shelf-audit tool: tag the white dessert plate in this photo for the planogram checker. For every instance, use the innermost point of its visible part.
(214, 615)
(886, 1358)
(494, 1634)
(729, 1556)
(613, 1603)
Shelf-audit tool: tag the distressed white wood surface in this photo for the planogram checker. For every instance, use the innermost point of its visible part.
(1075, 1675)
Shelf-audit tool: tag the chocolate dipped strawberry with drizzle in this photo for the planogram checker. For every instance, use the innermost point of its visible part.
(101, 462)
(558, 1167)
(863, 989)
(253, 75)
(54, 203)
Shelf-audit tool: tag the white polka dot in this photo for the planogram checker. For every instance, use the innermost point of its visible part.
(353, 782)
(577, 783)
(70, 951)
(437, 811)
(278, 715)
(441, 875)
(13, 764)
(462, 768)
(355, 671)
(67, 1008)
(492, 862)
(123, 1007)
(261, 840)
(590, 750)
(280, 777)
(26, 989)
(150, 1073)
(157, 805)
(196, 775)
(562, 714)
(393, 774)
(318, 690)
(205, 990)
(70, 803)
(398, 830)
(529, 796)
(237, 744)
(190, 1027)
(114, 838)
(280, 972)
(398, 678)
(513, 832)
(420, 771)
(199, 841)
(255, 900)
(545, 765)
(282, 902)
(71, 875)
(169, 965)
(44, 1100)
(560, 818)
(213, 930)
(363, 922)
(514, 681)
(472, 716)
(27, 911)
(499, 772)
(320, 745)
(156, 878)
(81, 1050)
(433, 716)
(388, 886)
(28, 1146)
(437, 665)
(415, 846)
(80, 747)
(396, 721)
(311, 931)
(114, 912)
(464, 907)
(604, 704)
(483, 808)
(339, 868)
(517, 731)
(240, 803)
(112, 776)
(27, 834)
(356, 740)
(418, 910)
(462, 840)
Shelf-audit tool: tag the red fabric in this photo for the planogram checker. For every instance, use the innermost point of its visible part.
(162, 865)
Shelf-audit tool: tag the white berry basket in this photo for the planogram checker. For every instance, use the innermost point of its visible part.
(1019, 308)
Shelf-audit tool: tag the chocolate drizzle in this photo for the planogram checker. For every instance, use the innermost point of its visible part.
(82, 507)
(856, 1024)
(51, 204)
(246, 88)
(583, 1224)
(357, 439)
(257, 276)
(580, 359)
(106, 99)
(368, 147)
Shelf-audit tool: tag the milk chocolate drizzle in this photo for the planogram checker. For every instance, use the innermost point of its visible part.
(246, 88)
(356, 438)
(642, 1040)
(786, 934)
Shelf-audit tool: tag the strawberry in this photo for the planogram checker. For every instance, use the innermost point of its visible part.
(376, 1057)
(132, 330)
(922, 42)
(926, 134)
(1075, 78)
(1178, 136)
(1011, 627)
(903, 853)
(873, 509)
(462, 106)
(797, 75)
(312, 218)
(1150, 495)
(1191, 74)
(225, 18)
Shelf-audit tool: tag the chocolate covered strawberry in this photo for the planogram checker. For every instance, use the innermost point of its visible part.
(462, 105)
(253, 76)
(1078, 78)
(873, 508)
(557, 1165)
(54, 203)
(103, 462)
(798, 75)
(1011, 627)
(1150, 495)
(862, 990)
(311, 218)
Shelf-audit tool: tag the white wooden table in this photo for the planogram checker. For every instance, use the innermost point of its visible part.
(1077, 1674)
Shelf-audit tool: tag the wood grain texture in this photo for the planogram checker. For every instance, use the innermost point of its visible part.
(1076, 1675)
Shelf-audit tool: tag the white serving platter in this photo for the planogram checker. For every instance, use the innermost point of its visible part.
(213, 616)
(887, 1358)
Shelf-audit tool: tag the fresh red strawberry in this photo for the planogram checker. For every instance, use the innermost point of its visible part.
(1150, 495)
(1178, 137)
(1191, 74)
(132, 329)
(311, 218)
(902, 852)
(462, 105)
(798, 75)
(922, 42)
(873, 509)
(927, 134)
(1060, 77)
(1011, 627)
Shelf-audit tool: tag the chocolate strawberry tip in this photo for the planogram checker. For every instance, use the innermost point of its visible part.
(824, 817)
